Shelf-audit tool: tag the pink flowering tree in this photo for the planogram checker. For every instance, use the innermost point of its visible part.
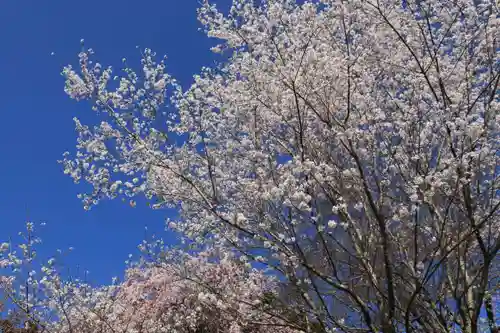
(351, 147)
(195, 296)
(177, 292)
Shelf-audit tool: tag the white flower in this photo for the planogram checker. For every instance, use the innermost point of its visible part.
(4, 263)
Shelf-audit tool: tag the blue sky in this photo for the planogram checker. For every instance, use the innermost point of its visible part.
(37, 115)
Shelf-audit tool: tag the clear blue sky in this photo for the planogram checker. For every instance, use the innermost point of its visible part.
(37, 124)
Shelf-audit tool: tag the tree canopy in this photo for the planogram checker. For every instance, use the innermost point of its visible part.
(347, 149)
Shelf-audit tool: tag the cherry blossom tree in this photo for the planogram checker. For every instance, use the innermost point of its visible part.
(24, 283)
(350, 147)
(175, 292)
(197, 296)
